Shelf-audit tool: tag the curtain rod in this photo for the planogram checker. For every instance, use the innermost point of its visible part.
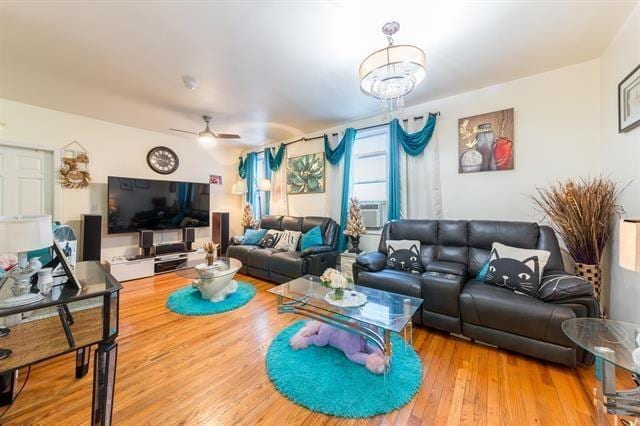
(437, 114)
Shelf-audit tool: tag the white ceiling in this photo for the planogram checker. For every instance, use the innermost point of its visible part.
(274, 69)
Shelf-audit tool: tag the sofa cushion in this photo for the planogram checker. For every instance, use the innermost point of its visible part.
(252, 237)
(288, 241)
(240, 252)
(313, 237)
(562, 286)
(291, 223)
(483, 233)
(404, 255)
(393, 281)
(259, 258)
(450, 268)
(291, 264)
(518, 269)
(270, 239)
(310, 222)
(271, 222)
(502, 309)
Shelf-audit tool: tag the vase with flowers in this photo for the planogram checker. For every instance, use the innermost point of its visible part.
(580, 212)
(211, 250)
(355, 225)
(336, 281)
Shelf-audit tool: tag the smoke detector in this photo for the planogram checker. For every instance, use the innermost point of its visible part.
(189, 82)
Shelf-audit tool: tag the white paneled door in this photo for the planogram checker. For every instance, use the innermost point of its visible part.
(26, 181)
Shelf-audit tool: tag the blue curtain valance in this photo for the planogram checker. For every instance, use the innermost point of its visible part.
(274, 162)
(335, 155)
(412, 143)
(242, 169)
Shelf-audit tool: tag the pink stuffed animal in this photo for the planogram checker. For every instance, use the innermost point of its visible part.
(354, 347)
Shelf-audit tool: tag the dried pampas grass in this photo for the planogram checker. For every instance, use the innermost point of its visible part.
(580, 212)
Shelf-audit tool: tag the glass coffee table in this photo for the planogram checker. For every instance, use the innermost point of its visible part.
(383, 313)
(214, 282)
(612, 343)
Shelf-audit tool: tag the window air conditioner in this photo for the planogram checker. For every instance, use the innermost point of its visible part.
(373, 214)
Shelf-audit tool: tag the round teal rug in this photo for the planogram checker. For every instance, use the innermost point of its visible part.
(187, 301)
(322, 379)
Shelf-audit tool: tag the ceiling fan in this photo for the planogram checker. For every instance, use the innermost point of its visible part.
(207, 135)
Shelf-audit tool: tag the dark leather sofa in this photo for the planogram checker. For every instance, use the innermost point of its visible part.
(452, 253)
(281, 266)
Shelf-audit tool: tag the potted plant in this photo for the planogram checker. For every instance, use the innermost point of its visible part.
(212, 252)
(580, 211)
(355, 226)
(336, 281)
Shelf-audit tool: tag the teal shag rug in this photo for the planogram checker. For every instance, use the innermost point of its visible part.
(323, 380)
(187, 300)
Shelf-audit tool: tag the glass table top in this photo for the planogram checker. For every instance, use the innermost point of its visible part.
(195, 269)
(611, 340)
(95, 280)
(390, 311)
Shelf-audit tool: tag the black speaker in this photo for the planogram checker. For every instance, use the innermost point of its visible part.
(91, 236)
(220, 230)
(145, 241)
(188, 237)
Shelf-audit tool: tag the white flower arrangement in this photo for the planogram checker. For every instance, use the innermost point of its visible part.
(333, 278)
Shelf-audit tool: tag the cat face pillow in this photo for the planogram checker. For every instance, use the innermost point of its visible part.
(404, 255)
(270, 239)
(517, 269)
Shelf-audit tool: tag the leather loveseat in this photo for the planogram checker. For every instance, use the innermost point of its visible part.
(281, 266)
(452, 253)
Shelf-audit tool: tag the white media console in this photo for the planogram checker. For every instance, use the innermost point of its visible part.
(124, 269)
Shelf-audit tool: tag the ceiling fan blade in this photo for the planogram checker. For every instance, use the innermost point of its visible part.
(183, 131)
(226, 136)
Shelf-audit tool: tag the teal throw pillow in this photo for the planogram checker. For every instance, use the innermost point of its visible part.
(313, 237)
(252, 237)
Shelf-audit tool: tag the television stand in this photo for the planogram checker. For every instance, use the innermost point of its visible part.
(125, 269)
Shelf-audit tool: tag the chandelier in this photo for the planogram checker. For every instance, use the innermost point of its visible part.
(391, 73)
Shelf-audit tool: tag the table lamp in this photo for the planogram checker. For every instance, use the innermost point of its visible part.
(629, 252)
(21, 234)
(239, 188)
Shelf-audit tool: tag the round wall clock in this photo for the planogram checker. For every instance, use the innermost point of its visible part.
(163, 160)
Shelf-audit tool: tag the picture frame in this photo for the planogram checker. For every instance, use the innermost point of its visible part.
(71, 276)
(629, 101)
(486, 142)
(306, 174)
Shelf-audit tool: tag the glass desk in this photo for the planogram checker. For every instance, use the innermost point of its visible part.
(67, 320)
(383, 313)
(612, 343)
(214, 282)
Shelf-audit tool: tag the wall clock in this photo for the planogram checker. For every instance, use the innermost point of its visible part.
(163, 160)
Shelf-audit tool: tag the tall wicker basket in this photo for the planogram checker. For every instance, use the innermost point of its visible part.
(593, 274)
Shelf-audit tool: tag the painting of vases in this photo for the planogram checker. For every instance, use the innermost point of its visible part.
(485, 142)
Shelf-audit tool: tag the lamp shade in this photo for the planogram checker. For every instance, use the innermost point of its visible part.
(240, 187)
(264, 185)
(630, 244)
(19, 234)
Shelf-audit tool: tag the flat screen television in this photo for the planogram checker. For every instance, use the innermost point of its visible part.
(135, 204)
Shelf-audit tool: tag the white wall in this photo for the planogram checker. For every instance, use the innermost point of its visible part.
(116, 150)
(620, 156)
(557, 132)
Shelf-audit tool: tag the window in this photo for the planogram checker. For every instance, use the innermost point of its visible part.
(369, 165)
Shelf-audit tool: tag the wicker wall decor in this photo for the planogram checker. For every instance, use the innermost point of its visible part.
(73, 172)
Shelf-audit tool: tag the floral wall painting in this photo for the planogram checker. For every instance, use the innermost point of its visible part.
(305, 174)
(485, 142)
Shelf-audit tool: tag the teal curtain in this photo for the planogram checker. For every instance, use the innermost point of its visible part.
(334, 156)
(242, 169)
(274, 162)
(251, 171)
(267, 175)
(414, 145)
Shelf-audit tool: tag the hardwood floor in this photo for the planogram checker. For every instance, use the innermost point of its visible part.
(175, 369)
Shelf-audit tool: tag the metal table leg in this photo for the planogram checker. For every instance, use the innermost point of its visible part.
(104, 378)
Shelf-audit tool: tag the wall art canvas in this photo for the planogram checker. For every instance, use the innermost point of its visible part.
(305, 174)
(629, 101)
(485, 142)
